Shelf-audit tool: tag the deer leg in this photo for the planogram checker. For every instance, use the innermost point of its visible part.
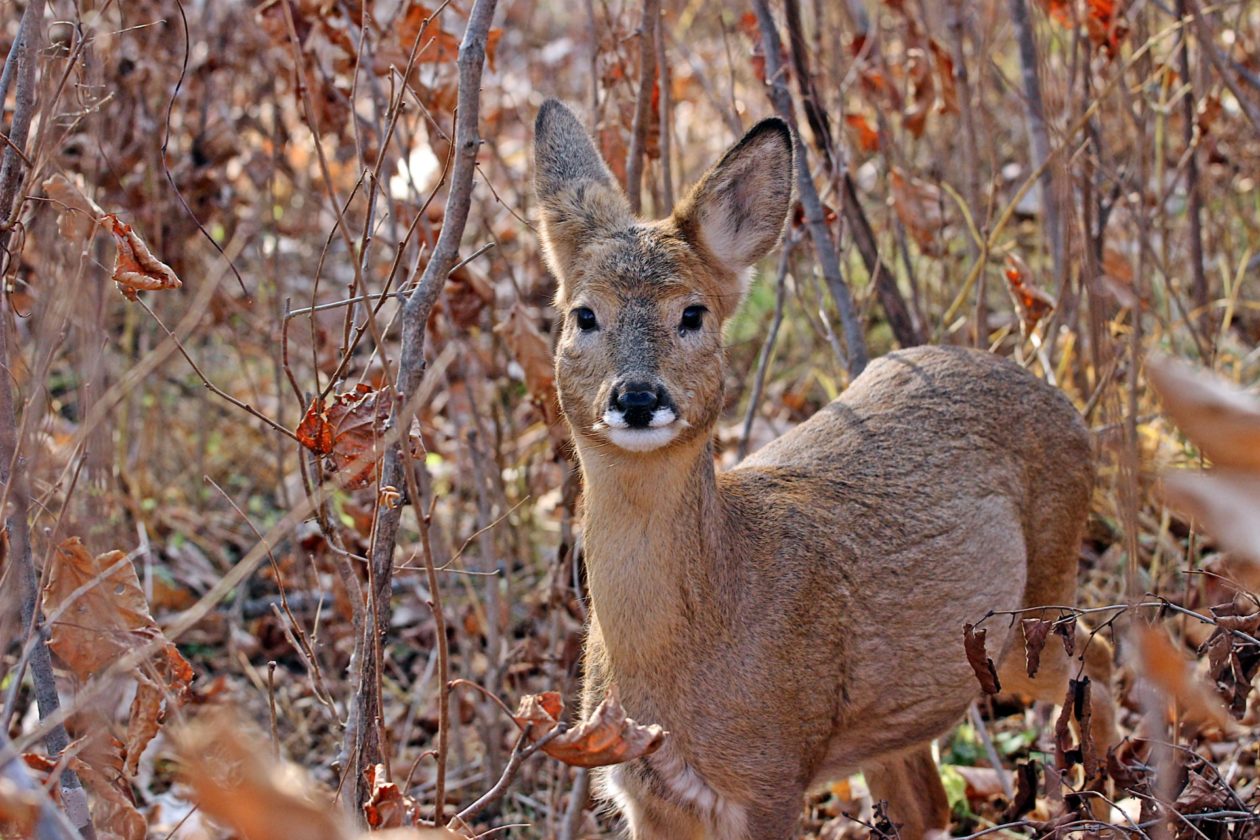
(911, 785)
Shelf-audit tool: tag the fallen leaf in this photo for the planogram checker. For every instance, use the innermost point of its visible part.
(606, 737)
(135, 267)
(1201, 794)
(986, 673)
(1221, 419)
(1025, 798)
(982, 782)
(114, 813)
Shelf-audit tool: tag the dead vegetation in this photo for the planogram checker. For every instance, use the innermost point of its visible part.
(295, 512)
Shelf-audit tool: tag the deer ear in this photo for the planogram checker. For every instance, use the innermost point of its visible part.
(736, 212)
(576, 192)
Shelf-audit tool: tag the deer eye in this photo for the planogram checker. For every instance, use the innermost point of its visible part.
(692, 318)
(585, 319)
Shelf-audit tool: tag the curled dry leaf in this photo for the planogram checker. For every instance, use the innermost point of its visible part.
(1036, 631)
(867, 134)
(1033, 303)
(114, 814)
(986, 672)
(532, 351)
(98, 615)
(240, 786)
(349, 428)
(388, 806)
(79, 215)
(135, 267)
(606, 737)
(1219, 417)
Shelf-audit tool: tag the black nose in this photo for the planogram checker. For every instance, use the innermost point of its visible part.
(637, 401)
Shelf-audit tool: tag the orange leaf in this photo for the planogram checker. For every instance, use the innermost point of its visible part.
(349, 429)
(135, 267)
(867, 134)
(388, 806)
(1170, 671)
(606, 737)
(1033, 303)
(918, 205)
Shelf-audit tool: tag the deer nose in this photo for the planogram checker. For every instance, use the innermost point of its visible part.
(637, 396)
(637, 400)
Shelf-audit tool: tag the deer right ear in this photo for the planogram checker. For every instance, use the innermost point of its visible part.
(576, 192)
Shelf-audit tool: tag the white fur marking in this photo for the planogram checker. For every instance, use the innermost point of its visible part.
(643, 440)
(726, 819)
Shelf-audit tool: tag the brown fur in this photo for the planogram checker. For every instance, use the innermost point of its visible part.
(799, 616)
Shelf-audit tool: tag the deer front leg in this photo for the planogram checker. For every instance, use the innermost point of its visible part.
(911, 785)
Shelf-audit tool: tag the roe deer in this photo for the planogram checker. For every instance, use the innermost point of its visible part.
(799, 616)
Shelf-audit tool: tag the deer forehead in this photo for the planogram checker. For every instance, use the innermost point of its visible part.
(642, 263)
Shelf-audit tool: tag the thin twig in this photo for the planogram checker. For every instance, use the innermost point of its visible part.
(643, 106)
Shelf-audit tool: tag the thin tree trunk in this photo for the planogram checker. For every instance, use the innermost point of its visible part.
(363, 742)
(21, 65)
(828, 258)
(643, 108)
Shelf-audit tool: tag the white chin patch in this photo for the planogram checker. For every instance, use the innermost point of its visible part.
(662, 428)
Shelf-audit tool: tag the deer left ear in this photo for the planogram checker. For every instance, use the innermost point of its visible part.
(736, 212)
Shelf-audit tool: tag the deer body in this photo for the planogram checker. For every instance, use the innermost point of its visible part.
(797, 617)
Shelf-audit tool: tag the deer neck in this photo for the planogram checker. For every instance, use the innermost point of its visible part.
(652, 536)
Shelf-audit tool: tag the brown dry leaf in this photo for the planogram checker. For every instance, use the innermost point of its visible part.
(542, 711)
(79, 214)
(19, 809)
(349, 429)
(948, 85)
(98, 615)
(982, 782)
(388, 806)
(135, 267)
(1036, 631)
(606, 737)
(920, 208)
(1226, 502)
(1033, 303)
(867, 134)
(1221, 419)
(986, 673)
(1173, 674)
(1025, 798)
(114, 813)
(239, 786)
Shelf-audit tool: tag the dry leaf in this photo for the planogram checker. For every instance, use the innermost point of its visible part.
(532, 351)
(135, 267)
(114, 813)
(1033, 303)
(388, 806)
(867, 134)
(986, 673)
(98, 615)
(238, 785)
(349, 429)
(80, 215)
(1036, 631)
(1219, 417)
(606, 737)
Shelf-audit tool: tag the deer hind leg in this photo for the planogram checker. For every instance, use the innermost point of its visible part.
(911, 785)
